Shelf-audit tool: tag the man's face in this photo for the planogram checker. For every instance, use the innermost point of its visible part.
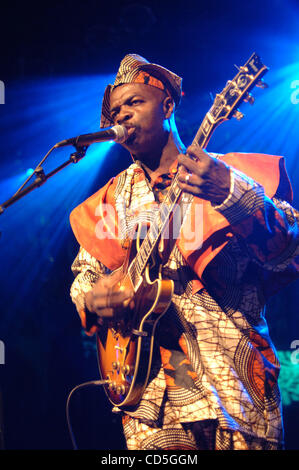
(140, 107)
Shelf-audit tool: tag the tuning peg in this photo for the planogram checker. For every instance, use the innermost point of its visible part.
(243, 68)
(261, 84)
(249, 98)
(238, 115)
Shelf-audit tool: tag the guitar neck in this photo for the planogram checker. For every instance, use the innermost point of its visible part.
(164, 215)
(204, 133)
(224, 107)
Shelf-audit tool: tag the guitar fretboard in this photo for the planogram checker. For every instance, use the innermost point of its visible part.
(154, 232)
(223, 108)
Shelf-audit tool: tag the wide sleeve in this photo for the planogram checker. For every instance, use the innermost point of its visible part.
(267, 227)
(87, 271)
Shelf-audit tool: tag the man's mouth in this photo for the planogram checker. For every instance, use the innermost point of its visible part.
(131, 135)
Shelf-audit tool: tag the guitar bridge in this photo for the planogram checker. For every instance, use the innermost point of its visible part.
(139, 333)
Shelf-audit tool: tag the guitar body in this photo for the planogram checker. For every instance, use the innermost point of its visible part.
(125, 345)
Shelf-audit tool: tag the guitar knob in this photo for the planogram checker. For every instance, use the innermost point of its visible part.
(120, 389)
(115, 365)
(126, 369)
(112, 386)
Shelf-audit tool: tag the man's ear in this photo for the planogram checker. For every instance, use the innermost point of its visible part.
(168, 106)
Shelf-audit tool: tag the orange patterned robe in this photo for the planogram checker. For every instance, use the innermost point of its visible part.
(215, 362)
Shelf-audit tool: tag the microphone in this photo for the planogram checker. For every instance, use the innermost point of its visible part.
(117, 133)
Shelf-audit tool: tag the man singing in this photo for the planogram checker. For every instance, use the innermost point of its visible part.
(213, 382)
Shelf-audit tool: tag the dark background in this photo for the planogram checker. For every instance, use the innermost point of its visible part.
(63, 42)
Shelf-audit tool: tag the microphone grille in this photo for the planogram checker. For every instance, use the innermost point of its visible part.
(121, 134)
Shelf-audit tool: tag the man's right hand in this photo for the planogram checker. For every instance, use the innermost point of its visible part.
(104, 301)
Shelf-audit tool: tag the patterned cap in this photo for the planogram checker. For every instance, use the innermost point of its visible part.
(135, 69)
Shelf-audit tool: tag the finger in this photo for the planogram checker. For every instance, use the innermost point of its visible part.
(190, 165)
(115, 277)
(89, 301)
(109, 280)
(197, 152)
(190, 183)
(191, 189)
(104, 313)
(112, 296)
(189, 179)
(109, 312)
(100, 290)
(107, 301)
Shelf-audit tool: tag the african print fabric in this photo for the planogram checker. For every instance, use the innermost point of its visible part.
(136, 69)
(214, 358)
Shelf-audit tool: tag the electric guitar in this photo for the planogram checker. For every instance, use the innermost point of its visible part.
(125, 344)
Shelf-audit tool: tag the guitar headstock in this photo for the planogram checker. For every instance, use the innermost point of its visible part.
(238, 90)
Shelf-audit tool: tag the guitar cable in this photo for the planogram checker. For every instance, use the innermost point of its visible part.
(92, 383)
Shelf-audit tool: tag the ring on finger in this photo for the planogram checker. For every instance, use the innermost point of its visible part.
(187, 177)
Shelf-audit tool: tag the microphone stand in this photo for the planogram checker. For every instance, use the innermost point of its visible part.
(41, 177)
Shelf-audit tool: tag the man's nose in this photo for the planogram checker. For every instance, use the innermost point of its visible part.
(124, 116)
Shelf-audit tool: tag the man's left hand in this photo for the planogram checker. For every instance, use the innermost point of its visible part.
(207, 177)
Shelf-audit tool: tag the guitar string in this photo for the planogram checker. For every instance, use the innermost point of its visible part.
(136, 271)
(203, 134)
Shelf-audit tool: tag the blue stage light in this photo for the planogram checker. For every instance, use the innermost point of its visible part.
(39, 114)
(29, 172)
